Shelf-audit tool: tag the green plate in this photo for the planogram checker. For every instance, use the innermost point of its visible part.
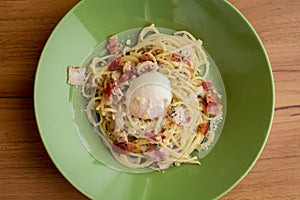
(242, 62)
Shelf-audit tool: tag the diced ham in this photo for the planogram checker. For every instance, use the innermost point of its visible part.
(113, 45)
(207, 85)
(115, 63)
(213, 108)
(76, 75)
(203, 128)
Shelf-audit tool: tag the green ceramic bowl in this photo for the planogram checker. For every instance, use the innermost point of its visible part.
(244, 67)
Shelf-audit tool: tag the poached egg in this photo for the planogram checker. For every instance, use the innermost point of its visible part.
(149, 95)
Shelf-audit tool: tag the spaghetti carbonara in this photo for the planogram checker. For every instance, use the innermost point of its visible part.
(152, 102)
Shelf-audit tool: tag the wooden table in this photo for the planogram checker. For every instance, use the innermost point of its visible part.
(26, 171)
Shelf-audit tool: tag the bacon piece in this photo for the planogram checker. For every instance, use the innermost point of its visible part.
(127, 75)
(204, 104)
(108, 91)
(157, 154)
(145, 57)
(187, 60)
(203, 128)
(157, 51)
(117, 94)
(76, 75)
(212, 97)
(162, 166)
(207, 85)
(153, 136)
(162, 154)
(129, 66)
(112, 93)
(213, 108)
(176, 57)
(179, 115)
(120, 148)
(190, 69)
(113, 45)
(115, 63)
(125, 148)
(116, 75)
(131, 147)
(91, 87)
(118, 122)
(119, 136)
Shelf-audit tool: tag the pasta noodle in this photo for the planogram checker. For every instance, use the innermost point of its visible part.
(186, 123)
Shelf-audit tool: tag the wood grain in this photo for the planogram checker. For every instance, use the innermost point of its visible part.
(276, 175)
(25, 27)
(26, 171)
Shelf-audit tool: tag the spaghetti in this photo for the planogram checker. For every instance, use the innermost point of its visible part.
(187, 122)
